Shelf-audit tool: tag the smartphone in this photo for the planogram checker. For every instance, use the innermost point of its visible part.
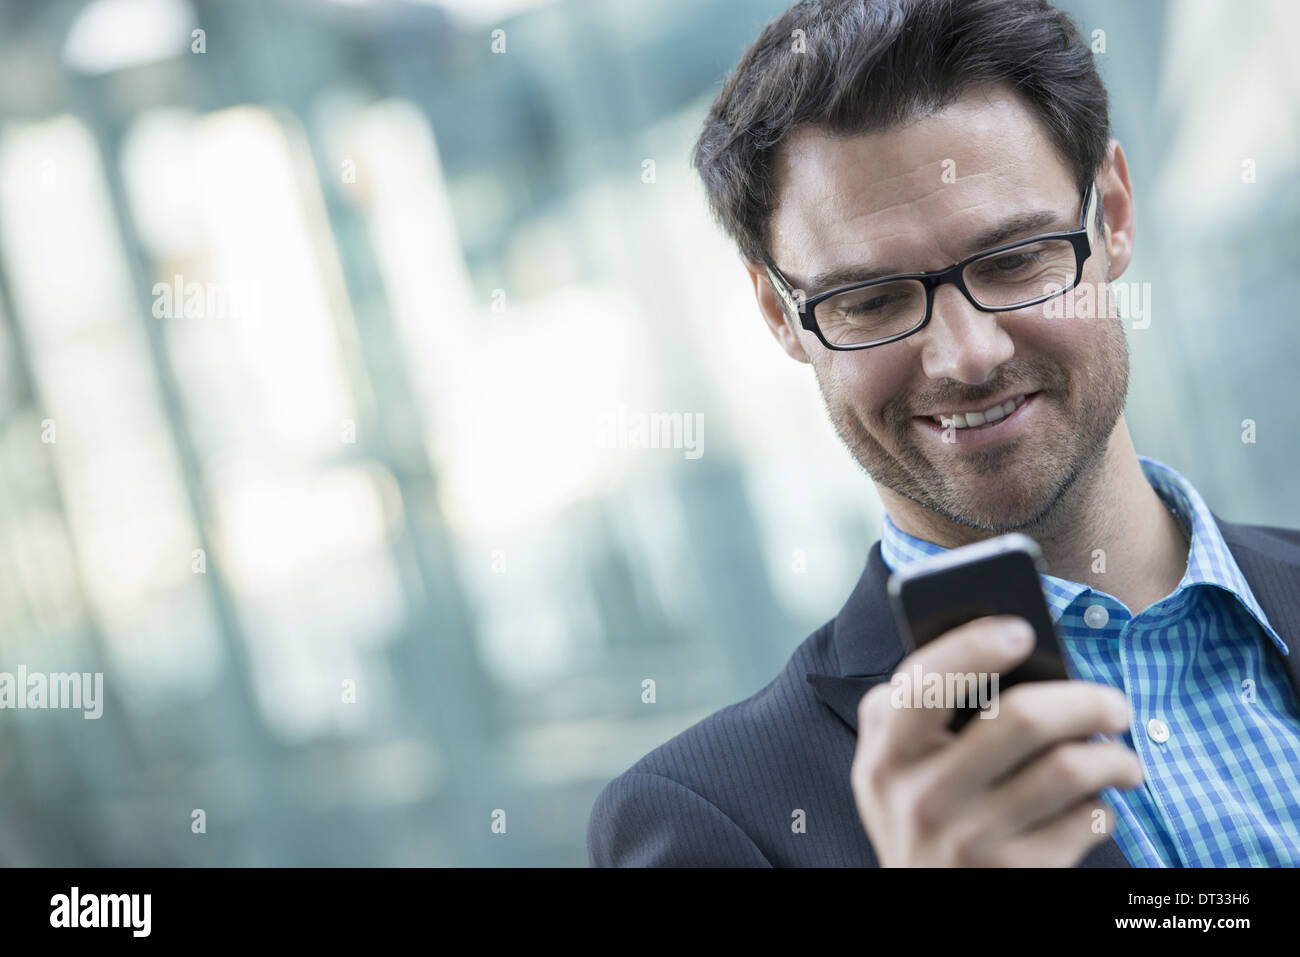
(998, 576)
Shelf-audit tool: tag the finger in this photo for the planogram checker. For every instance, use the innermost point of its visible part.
(1026, 720)
(1065, 839)
(992, 644)
(1053, 783)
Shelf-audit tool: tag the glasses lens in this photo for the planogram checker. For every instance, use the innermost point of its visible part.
(876, 312)
(1023, 274)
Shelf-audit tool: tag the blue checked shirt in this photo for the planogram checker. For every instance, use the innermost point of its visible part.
(1215, 721)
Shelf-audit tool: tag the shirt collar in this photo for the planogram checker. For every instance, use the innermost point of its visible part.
(1209, 561)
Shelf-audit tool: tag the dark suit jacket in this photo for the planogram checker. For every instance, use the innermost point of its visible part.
(723, 792)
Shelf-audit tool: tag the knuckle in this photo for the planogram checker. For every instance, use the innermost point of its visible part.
(1072, 765)
(923, 810)
(968, 844)
(870, 773)
(871, 705)
(872, 726)
(1018, 711)
(968, 851)
(864, 772)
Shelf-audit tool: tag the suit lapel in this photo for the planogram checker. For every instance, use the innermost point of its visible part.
(843, 694)
(865, 645)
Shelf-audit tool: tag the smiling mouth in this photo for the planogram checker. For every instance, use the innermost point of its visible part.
(982, 418)
(972, 429)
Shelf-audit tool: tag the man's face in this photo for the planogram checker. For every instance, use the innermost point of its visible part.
(883, 201)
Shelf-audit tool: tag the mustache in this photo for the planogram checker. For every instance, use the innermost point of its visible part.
(900, 410)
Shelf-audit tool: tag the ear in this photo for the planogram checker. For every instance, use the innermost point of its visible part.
(781, 325)
(1116, 194)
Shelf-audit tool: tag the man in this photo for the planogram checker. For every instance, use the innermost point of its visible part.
(867, 140)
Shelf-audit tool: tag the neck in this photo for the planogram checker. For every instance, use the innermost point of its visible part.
(1111, 531)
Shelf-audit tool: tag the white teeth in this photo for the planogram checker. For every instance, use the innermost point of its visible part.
(967, 420)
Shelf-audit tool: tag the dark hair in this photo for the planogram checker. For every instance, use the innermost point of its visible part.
(865, 65)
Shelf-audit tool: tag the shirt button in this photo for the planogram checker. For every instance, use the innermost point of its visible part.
(1096, 616)
(1157, 731)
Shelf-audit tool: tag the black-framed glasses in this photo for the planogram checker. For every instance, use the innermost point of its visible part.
(879, 311)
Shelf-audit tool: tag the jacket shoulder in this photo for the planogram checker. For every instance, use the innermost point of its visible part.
(642, 819)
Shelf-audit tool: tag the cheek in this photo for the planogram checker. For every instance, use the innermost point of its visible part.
(860, 382)
(1072, 342)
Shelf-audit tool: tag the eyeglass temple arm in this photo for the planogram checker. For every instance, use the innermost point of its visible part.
(783, 290)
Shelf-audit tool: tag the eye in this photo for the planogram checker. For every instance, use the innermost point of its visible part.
(874, 304)
(1012, 261)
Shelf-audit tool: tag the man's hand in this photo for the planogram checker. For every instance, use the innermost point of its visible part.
(1018, 789)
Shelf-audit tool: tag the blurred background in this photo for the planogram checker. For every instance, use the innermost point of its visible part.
(321, 330)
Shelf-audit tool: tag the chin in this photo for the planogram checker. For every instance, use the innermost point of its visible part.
(1015, 506)
(999, 521)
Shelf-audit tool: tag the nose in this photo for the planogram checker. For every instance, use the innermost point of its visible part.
(961, 342)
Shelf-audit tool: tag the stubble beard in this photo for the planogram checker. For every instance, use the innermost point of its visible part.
(1030, 476)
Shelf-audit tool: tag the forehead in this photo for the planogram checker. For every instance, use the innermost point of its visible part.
(913, 196)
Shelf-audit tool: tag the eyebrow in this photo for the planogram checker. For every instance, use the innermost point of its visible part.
(1024, 224)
